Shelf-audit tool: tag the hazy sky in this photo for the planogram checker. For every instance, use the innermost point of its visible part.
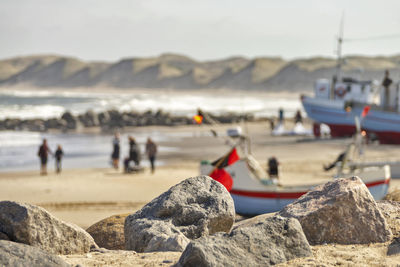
(202, 29)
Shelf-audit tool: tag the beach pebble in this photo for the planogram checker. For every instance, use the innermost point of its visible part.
(33, 225)
(196, 207)
(263, 243)
(109, 233)
(342, 211)
(21, 255)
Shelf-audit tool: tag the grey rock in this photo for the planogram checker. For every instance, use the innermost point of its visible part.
(342, 211)
(196, 207)
(72, 122)
(54, 124)
(89, 119)
(264, 243)
(32, 225)
(21, 255)
(391, 212)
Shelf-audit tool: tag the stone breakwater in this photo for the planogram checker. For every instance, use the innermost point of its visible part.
(112, 120)
(196, 219)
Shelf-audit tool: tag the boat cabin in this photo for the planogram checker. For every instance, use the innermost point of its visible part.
(365, 92)
(347, 90)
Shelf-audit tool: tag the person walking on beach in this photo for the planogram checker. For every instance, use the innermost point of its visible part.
(58, 155)
(115, 152)
(151, 151)
(134, 151)
(43, 153)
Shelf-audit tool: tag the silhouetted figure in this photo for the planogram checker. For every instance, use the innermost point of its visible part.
(386, 84)
(281, 115)
(298, 117)
(151, 151)
(273, 167)
(134, 151)
(115, 152)
(340, 158)
(58, 155)
(43, 154)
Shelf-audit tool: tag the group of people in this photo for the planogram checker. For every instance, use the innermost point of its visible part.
(134, 154)
(43, 154)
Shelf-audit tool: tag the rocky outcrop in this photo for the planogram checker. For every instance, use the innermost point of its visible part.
(196, 207)
(89, 119)
(264, 243)
(70, 119)
(21, 255)
(342, 211)
(32, 225)
(109, 233)
(111, 120)
(391, 212)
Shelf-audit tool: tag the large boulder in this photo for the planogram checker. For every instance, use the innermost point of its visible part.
(263, 243)
(109, 233)
(342, 211)
(70, 119)
(21, 255)
(32, 225)
(196, 207)
(391, 212)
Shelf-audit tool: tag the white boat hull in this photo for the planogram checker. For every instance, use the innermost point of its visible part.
(253, 197)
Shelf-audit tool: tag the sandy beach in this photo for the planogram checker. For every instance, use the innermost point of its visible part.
(85, 196)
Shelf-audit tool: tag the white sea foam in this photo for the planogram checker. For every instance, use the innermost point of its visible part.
(31, 111)
(46, 104)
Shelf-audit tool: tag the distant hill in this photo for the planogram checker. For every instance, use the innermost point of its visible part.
(181, 72)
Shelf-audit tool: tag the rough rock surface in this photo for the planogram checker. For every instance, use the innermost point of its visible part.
(342, 211)
(109, 233)
(196, 207)
(32, 225)
(21, 255)
(267, 242)
(391, 211)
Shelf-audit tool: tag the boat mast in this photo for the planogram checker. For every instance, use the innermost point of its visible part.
(339, 50)
(337, 75)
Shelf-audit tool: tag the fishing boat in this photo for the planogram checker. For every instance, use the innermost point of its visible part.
(338, 101)
(254, 192)
(254, 195)
(338, 110)
(337, 105)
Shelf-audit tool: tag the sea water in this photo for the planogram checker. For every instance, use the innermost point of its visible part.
(18, 150)
(52, 103)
